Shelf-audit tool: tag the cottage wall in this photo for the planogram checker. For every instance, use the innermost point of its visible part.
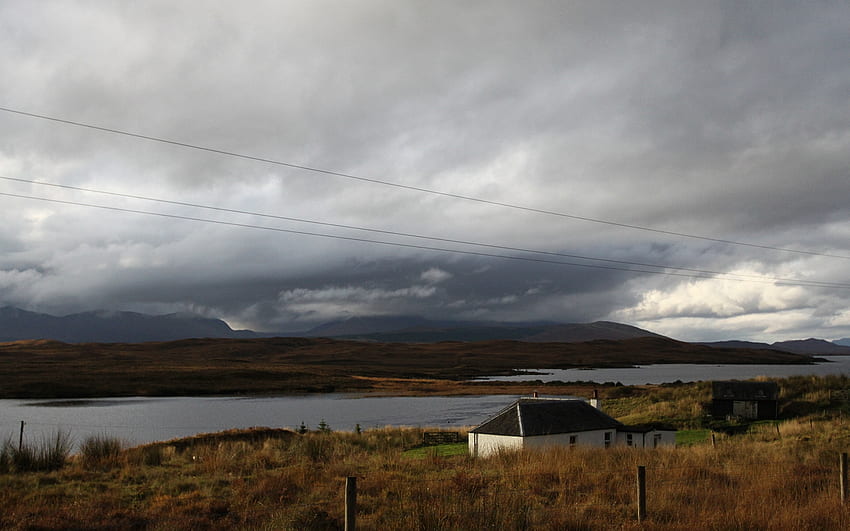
(486, 444)
(650, 439)
(668, 438)
(637, 439)
(595, 438)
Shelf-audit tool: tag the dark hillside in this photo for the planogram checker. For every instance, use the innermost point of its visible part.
(432, 332)
(297, 365)
(110, 327)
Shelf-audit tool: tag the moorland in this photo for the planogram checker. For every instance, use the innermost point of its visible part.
(780, 474)
(51, 369)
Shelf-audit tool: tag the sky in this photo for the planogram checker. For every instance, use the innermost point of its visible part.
(680, 166)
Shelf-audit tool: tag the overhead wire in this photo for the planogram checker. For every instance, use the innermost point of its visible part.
(721, 276)
(383, 231)
(431, 191)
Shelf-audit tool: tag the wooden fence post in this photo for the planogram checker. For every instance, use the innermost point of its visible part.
(843, 477)
(351, 503)
(641, 493)
(21, 437)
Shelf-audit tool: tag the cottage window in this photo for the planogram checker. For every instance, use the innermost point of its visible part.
(656, 440)
(629, 439)
(607, 439)
(572, 440)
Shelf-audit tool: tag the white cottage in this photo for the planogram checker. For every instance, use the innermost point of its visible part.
(541, 422)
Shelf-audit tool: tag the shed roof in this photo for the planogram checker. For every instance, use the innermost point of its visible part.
(539, 416)
(735, 390)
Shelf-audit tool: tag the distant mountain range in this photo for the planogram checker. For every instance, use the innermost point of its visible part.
(110, 327)
(809, 346)
(418, 330)
(130, 327)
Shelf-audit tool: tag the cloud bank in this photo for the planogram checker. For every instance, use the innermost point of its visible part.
(724, 119)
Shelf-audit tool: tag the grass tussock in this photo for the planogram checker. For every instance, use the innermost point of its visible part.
(101, 451)
(50, 453)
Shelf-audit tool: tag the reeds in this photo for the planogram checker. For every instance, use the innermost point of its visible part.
(101, 451)
(50, 453)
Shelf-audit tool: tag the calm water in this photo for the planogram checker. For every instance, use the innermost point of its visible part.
(657, 374)
(140, 420)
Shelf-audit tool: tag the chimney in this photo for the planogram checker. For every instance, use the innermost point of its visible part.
(596, 401)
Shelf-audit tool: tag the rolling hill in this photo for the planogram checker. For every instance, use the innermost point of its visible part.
(810, 347)
(110, 327)
(130, 327)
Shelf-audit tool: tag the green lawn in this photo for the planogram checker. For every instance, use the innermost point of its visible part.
(689, 437)
(440, 450)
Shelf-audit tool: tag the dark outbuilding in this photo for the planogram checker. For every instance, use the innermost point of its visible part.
(747, 400)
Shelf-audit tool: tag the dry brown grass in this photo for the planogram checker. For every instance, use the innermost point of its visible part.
(757, 481)
(776, 476)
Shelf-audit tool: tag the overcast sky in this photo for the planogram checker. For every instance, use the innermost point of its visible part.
(724, 120)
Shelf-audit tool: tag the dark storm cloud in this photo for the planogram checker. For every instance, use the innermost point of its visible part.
(724, 119)
(462, 289)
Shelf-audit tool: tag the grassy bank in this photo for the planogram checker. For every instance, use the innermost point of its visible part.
(775, 476)
(755, 481)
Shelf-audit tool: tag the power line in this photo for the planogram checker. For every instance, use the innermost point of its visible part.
(394, 233)
(410, 187)
(725, 276)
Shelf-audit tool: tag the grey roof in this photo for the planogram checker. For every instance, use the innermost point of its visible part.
(735, 390)
(539, 416)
